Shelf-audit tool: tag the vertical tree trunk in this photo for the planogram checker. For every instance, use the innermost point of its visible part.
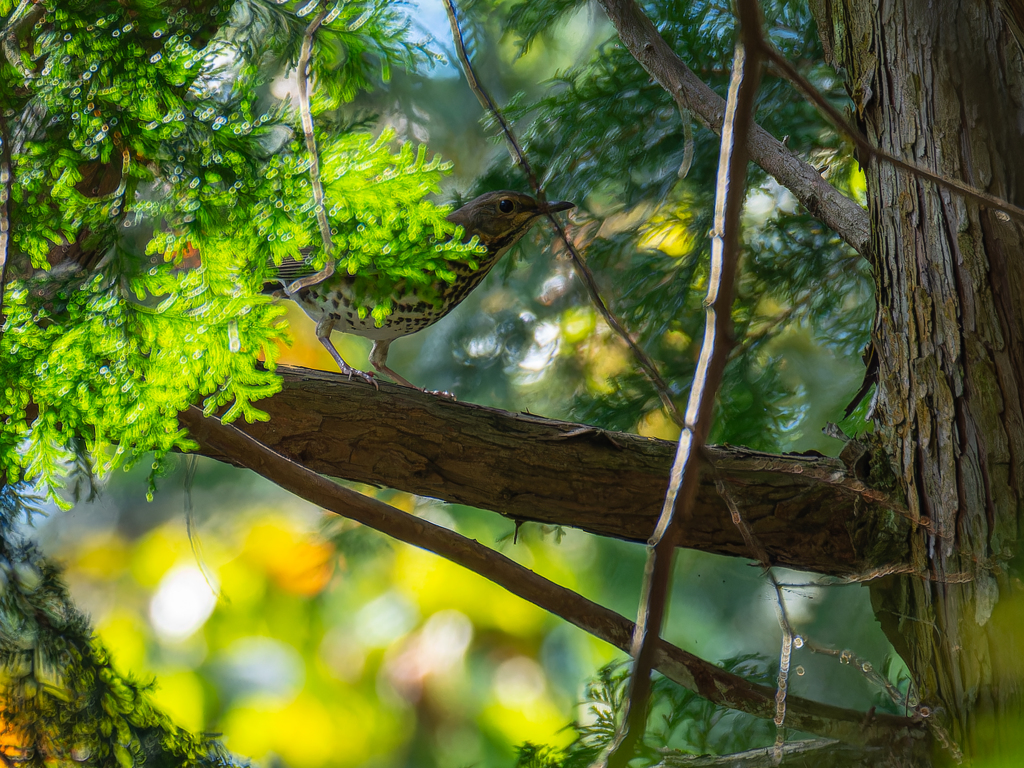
(941, 84)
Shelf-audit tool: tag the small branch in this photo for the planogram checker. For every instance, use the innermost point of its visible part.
(5, 217)
(515, 149)
(314, 158)
(823, 201)
(9, 39)
(689, 671)
(866, 669)
(874, 154)
(718, 339)
(788, 636)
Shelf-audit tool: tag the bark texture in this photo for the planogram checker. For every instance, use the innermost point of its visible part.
(810, 512)
(941, 84)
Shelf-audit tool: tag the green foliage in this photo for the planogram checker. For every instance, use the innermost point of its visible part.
(612, 140)
(153, 177)
(680, 723)
(63, 698)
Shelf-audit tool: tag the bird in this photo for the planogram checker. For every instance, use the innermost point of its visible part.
(498, 219)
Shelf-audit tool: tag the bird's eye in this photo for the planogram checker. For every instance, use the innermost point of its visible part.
(506, 206)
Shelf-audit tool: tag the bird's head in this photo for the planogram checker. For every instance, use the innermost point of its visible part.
(499, 219)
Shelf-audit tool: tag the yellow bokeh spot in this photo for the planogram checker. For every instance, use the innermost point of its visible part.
(606, 357)
(124, 636)
(180, 696)
(240, 583)
(540, 722)
(104, 556)
(658, 424)
(671, 237)
(305, 733)
(578, 323)
(157, 553)
(296, 563)
(436, 584)
(858, 184)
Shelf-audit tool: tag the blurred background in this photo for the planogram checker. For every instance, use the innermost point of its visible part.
(309, 641)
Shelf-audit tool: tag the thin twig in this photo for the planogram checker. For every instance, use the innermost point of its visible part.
(689, 671)
(519, 157)
(899, 569)
(841, 214)
(9, 39)
(788, 636)
(5, 217)
(314, 159)
(718, 339)
(875, 154)
(866, 668)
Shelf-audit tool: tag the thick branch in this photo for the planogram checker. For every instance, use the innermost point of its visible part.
(843, 215)
(809, 512)
(690, 671)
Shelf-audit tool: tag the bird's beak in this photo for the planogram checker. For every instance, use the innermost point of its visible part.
(556, 207)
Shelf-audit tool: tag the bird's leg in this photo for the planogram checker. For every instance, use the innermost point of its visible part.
(323, 332)
(379, 360)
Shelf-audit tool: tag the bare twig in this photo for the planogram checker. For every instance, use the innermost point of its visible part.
(874, 154)
(842, 215)
(515, 149)
(9, 38)
(689, 671)
(788, 636)
(718, 339)
(5, 214)
(863, 666)
(896, 569)
(314, 159)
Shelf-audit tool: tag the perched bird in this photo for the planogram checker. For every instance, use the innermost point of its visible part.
(498, 219)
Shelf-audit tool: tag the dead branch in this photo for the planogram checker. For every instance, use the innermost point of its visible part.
(718, 340)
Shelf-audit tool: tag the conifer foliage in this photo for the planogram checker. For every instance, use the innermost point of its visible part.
(152, 176)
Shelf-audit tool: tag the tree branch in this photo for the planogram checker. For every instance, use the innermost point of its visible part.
(843, 215)
(687, 670)
(810, 512)
(5, 219)
(677, 512)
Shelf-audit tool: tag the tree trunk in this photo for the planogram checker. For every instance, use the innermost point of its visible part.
(941, 84)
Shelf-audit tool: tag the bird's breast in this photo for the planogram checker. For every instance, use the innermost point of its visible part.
(339, 298)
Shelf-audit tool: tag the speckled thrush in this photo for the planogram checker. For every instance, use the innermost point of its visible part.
(498, 219)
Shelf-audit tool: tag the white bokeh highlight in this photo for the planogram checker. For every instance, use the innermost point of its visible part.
(182, 603)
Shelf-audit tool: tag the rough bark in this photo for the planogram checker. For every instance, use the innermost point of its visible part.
(810, 512)
(942, 84)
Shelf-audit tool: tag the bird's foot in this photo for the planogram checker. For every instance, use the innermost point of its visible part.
(366, 376)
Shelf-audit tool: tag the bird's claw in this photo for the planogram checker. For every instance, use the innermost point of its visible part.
(366, 376)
